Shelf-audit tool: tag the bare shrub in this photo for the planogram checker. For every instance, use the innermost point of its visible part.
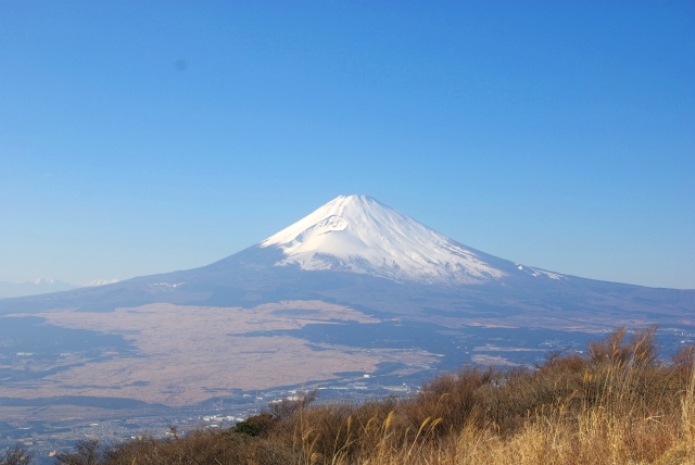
(18, 455)
(87, 452)
(684, 358)
(287, 408)
(618, 350)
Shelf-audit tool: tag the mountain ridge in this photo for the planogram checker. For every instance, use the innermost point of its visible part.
(34, 287)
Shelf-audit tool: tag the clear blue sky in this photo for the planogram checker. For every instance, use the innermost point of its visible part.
(139, 137)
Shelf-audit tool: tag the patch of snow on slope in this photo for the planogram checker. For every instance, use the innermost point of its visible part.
(538, 272)
(547, 274)
(101, 282)
(360, 235)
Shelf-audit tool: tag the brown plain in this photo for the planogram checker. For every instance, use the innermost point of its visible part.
(188, 354)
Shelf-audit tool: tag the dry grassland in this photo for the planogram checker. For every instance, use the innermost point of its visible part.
(189, 354)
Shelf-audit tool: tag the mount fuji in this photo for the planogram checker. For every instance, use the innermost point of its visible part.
(356, 250)
(353, 287)
(360, 235)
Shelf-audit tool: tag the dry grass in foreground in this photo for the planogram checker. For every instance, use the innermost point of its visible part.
(616, 405)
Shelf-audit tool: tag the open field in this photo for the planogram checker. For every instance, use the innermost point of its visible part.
(184, 355)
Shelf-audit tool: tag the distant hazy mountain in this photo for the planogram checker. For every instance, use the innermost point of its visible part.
(44, 286)
(38, 286)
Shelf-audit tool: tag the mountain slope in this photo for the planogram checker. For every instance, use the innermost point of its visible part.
(360, 235)
(357, 251)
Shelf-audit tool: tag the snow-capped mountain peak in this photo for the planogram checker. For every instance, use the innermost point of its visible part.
(358, 234)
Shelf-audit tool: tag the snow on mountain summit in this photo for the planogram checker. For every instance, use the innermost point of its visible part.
(358, 234)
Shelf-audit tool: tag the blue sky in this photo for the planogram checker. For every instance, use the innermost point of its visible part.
(139, 137)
